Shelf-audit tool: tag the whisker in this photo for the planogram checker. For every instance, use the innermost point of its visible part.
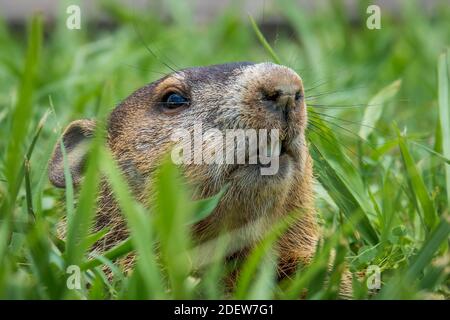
(145, 69)
(334, 91)
(342, 106)
(346, 130)
(316, 128)
(319, 131)
(316, 86)
(343, 120)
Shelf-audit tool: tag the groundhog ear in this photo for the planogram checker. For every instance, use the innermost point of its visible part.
(76, 138)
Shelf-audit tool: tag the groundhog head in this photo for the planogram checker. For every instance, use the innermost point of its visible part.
(235, 106)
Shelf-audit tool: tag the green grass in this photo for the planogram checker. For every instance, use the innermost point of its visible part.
(379, 134)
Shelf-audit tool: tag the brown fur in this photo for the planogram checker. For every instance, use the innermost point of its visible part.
(230, 96)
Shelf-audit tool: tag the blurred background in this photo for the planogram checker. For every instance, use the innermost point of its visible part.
(203, 10)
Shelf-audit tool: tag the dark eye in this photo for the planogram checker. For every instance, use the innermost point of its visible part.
(298, 95)
(174, 100)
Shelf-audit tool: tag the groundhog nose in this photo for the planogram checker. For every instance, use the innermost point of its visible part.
(282, 97)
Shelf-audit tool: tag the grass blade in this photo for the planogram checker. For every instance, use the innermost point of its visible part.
(79, 225)
(339, 177)
(263, 41)
(431, 245)
(205, 207)
(417, 185)
(118, 251)
(142, 234)
(444, 115)
(173, 211)
(22, 113)
(372, 115)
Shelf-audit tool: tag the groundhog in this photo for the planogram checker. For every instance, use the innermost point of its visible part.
(234, 96)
